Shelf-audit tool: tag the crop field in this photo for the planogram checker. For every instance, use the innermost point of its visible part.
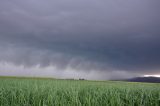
(53, 92)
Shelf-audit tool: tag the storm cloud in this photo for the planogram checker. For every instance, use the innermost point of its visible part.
(93, 39)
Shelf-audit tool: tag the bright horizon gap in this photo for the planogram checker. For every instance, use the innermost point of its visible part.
(151, 75)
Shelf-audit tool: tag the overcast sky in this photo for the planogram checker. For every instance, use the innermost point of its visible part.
(92, 39)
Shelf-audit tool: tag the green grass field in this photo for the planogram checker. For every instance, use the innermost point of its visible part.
(52, 92)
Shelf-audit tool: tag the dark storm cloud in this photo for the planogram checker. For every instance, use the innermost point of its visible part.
(82, 34)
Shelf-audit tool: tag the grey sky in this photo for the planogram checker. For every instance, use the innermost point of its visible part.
(94, 39)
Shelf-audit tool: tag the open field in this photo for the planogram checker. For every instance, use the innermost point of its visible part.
(52, 92)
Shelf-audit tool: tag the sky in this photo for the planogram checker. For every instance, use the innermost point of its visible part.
(91, 39)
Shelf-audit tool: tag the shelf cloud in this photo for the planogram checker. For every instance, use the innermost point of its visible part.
(92, 39)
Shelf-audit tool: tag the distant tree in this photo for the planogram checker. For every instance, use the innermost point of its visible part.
(81, 79)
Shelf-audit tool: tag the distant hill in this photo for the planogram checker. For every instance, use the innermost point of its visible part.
(144, 79)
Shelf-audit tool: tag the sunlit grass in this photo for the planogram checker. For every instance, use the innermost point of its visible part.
(52, 92)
